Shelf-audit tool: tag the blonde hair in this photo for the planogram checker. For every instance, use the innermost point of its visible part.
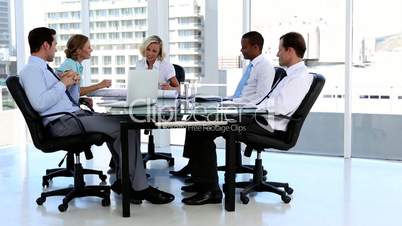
(148, 41)
(75, 43)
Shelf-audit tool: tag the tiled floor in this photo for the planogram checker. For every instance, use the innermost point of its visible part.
(329, 191)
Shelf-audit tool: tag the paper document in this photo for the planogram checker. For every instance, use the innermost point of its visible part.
(109, 93)
(229, 103)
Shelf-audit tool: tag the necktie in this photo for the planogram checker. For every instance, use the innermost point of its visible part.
(67, 93)
(243, 81)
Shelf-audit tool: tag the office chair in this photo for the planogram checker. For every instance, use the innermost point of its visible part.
(151, 154)
(281, 140)
(69, 157)
(280, 73)
(73, 145)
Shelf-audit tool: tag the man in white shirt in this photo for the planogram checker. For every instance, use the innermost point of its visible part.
(284, 99)
(253, 86)
(297, 82)
(258, 76)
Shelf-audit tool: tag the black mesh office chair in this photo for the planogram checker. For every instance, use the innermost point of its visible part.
(280, 140)
(151, 154)
(73, 145)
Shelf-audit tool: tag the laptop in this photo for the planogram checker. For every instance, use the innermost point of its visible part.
(142, 89)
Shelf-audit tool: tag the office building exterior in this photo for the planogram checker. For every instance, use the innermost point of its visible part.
(7, 55)
(117, 29)
(186, 36)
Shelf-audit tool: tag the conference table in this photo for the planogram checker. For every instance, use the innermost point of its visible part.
(176, 113)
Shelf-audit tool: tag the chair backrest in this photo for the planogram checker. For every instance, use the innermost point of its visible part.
(40, 137)
(294, 127)
(32, 118)
(180, 73)
(285, 140)
(280, 73)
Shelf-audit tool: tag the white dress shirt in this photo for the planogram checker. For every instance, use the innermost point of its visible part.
(259, 83)
(166, 69)
(287, 96)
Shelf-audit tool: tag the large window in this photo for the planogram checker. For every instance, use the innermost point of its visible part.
(123, 37)
(8, 66)
(185, 32)
(322, 23)
(118, 27)
(376, 79)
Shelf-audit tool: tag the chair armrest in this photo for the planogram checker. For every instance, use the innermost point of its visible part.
(284, 117)
(288, 117)
(80, 125)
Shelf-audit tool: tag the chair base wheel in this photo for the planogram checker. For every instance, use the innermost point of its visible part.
(103, 177)
(63, 207)
(45, 182)
(289, 190)
(40, 200)
(285, 198)
(244, 199)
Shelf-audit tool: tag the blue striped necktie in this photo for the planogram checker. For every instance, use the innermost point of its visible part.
(243, 81)
(67, 93)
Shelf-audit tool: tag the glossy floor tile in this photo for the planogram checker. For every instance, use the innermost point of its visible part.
(329, 191)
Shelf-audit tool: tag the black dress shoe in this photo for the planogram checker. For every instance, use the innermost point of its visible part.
(190, 188)
(117, 188)
(181, 173)
(153, 195)
(205, 197)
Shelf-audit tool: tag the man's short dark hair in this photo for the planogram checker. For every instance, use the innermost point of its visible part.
(38, 36)
(254, 38)
(296, 41)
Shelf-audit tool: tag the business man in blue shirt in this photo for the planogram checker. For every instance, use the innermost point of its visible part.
(256, 81)
(47, 94)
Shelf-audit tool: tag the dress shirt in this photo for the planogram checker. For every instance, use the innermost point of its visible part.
(45, 93)
(288, 95)
(70, 64)
(166, 69)
(259, 83)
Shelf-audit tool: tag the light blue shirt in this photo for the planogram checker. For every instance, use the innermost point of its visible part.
(45, 93)
(243, 81)
(70, 64)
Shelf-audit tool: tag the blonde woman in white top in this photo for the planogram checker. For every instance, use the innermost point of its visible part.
(154, 59)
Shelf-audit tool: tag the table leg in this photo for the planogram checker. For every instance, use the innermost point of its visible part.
(230, 189)
(124, 167)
